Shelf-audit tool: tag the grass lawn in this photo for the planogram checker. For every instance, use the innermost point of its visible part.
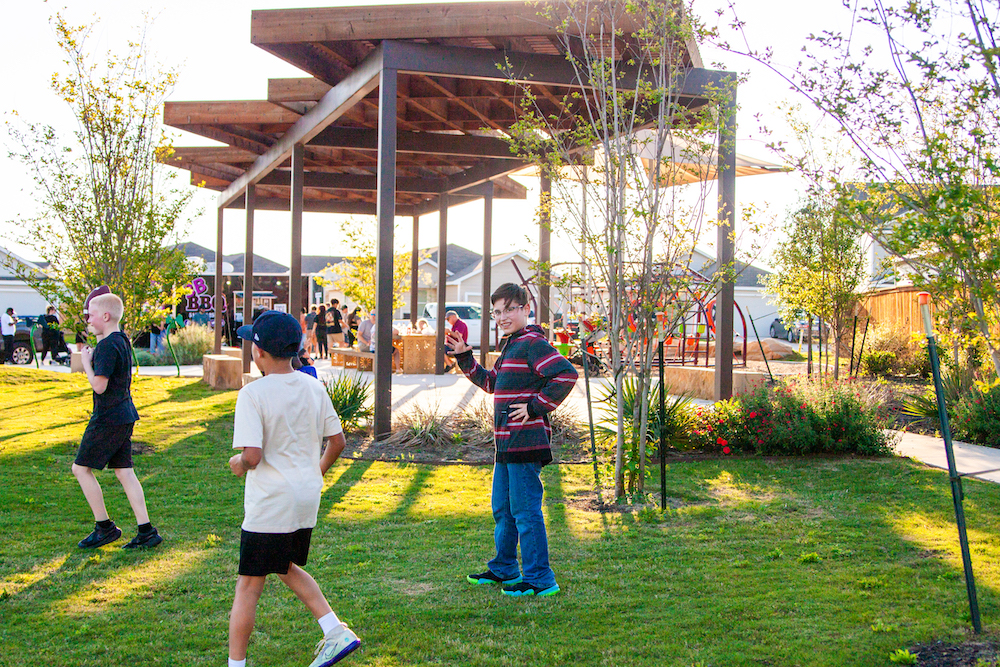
(761, 562)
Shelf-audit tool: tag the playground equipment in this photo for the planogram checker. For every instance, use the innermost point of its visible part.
(691, 339)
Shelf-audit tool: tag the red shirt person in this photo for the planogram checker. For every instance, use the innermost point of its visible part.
(457, 325)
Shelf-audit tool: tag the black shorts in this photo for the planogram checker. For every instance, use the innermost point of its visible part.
(106, 445)
(271, 553)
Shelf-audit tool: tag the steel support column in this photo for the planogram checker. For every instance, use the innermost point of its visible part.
(414, 277)
(386, 202)
(544, 315)
(725, 242)
(248, 275)
(484, 336)
(295, 301)
(442, 283)
(220, 315)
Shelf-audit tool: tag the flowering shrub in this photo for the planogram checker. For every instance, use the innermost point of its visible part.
(795, 418)
(977, 415)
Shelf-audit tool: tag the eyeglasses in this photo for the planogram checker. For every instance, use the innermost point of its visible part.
(509, 310)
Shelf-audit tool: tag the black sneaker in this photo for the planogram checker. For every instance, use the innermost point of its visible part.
(144, 541)
(524, 588)
(100, 537)
(488, 577)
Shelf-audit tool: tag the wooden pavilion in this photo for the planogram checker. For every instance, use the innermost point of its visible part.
(403, 114)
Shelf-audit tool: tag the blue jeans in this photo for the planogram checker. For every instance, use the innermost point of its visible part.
(517, 511)
(157, 342)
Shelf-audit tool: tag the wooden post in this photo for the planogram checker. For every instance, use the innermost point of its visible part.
(248, 275)
(220, 315)
(295, 301)
(386, 208)
(725, 242)
(544, 315)
(484, 334)
(414, 277)
(442, 286)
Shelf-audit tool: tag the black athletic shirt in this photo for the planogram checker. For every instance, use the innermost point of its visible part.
(335, 327)
(113, 359)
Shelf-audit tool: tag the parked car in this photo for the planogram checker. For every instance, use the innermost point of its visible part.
(468, 312)
(791, 332)
(22, 353)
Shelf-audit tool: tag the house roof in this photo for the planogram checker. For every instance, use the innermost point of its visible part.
(473, 269)
(261, 265)
(460, 260)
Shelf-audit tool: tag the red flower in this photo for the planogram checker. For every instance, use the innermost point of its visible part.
(752, 414)
(725, 450)
(721, 441)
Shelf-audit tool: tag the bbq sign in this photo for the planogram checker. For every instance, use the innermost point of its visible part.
(199, 300)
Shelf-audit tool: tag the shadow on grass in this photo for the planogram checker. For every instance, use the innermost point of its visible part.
(882, 529)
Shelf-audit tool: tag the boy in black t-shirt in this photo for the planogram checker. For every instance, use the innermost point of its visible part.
(107, 441)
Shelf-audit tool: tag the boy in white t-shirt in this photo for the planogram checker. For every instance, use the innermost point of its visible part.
(281, 420)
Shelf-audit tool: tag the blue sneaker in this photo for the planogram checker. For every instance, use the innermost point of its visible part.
(524, 588)
(335, 646)
(488, 577)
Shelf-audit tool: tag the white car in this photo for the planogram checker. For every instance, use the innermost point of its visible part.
(468, 312)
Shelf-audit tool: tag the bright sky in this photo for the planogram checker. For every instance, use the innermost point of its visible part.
(210, 43)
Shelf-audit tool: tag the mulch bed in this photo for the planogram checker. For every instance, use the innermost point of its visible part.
(966, 654)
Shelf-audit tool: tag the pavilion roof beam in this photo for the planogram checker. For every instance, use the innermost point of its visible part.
(417, 142)
(321, 206)
(257, 112)
(341, 97)
(356, 182)
(459, 101)
(482, 172)
(533, 68)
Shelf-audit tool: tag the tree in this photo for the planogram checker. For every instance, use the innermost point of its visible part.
(819, 267)
(358, 280)
(923, 129)
(107, 212)
(615, 142)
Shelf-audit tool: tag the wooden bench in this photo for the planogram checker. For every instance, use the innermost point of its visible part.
(351, 358)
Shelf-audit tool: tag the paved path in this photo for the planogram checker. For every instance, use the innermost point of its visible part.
(968, 458)
(446, 393)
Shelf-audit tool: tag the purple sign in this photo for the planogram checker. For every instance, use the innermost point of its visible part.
(200, 300)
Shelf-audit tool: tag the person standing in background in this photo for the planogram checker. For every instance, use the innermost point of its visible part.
(8, 327)
(322, 350)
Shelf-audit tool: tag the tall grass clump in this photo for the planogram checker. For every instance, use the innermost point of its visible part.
(352, 397)
(190, 343)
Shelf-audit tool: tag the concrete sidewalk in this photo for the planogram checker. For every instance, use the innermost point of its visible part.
(968, 458)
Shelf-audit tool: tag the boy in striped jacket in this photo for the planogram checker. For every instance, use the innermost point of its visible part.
(528, 381)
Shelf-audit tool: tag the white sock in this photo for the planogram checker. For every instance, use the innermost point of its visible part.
(327, 623)
(237, 663)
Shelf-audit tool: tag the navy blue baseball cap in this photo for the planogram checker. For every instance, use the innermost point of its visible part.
(277, 333)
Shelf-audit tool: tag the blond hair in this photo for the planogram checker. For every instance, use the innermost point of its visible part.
(110, 304)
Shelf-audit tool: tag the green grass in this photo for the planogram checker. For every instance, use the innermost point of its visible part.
(760, 562)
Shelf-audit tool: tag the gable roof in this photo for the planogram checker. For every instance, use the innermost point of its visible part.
(473, 269)
(460, 259)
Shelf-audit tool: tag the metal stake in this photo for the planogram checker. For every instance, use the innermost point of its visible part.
(924, 299)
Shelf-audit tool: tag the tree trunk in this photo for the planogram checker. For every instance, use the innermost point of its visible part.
(809, 347)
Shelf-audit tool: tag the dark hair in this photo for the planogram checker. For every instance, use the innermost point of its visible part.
(321, 311)
(511, 294)
(335, 302)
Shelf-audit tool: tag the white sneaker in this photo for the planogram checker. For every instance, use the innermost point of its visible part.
(337, 645)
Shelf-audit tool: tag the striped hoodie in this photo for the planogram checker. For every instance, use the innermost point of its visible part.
(530, 371)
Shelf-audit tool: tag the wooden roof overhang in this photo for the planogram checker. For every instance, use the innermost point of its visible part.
(453, 63)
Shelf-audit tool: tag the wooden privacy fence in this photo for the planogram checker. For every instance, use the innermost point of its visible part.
(896, 307)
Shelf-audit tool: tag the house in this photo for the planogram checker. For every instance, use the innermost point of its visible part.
(14, 292)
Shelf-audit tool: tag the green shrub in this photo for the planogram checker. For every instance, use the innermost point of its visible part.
(147, 358)
(796, 418)
(190, 343)
(352, 396)
(977, 415)
(878, 363)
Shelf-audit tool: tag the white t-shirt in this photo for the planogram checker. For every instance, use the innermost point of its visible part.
(287, 415)
(7, 326)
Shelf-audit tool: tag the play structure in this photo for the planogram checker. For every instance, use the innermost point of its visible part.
(690, 341)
